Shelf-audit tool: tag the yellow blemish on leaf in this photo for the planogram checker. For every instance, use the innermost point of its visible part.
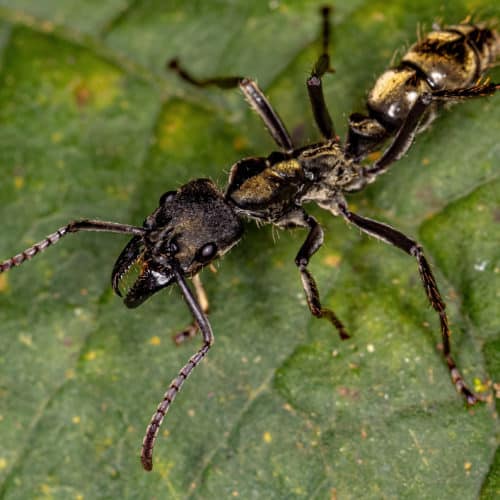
(378, 16)
(425, 161)
(76, 419)
(104, 88)
(155, 340)
(267, 437)
(167, 131)
(69, 374)
(56, 137)
(18, 181)
(79, 496)
(45, 489)
(3, 463)
(4, 283)
(164, 469)
(235, 494)
(332, 260)
(467, 466)
(25, 339)
(480, 386)
(90, 356)
(47, 26)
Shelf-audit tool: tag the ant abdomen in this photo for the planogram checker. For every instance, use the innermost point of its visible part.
(454, 57)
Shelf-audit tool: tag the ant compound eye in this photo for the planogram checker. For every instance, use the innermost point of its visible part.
(206, 252)
(167, 197)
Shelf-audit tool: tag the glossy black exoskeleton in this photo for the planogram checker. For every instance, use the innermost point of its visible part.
(197, 224)
(453, 58)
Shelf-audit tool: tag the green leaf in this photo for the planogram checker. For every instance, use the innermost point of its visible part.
(91, 126)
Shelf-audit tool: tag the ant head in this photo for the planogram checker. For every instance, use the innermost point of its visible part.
(192, 227)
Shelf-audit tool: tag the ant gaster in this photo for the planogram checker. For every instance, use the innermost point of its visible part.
(197, 224)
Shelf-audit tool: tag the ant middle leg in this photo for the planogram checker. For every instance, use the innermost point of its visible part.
(310, 246)
(394, 237)
(314, 83)
(253, 94)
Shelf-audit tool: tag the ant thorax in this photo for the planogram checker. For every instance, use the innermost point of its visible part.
(329, 172)
(269, 188)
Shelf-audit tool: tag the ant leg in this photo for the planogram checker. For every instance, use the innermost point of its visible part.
(406, 134)
(175, 386)
(72, 227)
(364, 135)
(191, 330)
(393, 237)
(223, 82)
(314, 84)
(312, 244)
(254, 96)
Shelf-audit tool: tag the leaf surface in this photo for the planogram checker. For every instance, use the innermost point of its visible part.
(92, 126)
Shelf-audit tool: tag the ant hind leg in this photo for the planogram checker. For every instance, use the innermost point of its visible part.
(394, 237)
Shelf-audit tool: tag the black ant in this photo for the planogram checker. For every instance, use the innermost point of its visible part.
(197, 224)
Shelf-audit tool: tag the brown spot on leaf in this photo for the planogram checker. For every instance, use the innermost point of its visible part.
(82, 94)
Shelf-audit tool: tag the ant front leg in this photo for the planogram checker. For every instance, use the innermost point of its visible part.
(393, 237)
(312, 244)
(314, 84)
(192, 329)
(252, 93)
(175, 386)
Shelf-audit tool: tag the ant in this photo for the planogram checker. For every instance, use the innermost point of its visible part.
(197, 224)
